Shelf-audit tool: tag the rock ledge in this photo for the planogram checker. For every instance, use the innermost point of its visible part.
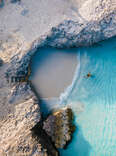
(59, 127)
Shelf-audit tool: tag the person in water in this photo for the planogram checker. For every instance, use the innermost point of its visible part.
(88, 75)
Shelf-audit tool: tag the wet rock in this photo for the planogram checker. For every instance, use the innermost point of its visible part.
(1, 62)
(42, 137)
(59, 127)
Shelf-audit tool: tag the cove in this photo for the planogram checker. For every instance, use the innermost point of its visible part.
(93, 99)
(52, 72)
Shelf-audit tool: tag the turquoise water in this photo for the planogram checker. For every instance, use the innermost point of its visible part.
(93, 101)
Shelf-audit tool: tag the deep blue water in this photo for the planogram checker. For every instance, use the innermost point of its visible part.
(93, 101)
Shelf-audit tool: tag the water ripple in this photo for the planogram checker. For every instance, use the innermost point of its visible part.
(97, 121)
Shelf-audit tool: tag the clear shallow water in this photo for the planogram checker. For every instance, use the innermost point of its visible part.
(94, 102)
(53, 70)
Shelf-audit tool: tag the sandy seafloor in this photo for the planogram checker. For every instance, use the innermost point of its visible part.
(93, 99)
(52, 72)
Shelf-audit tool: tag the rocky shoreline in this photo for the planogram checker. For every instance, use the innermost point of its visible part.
(59, 126)
(67, 27)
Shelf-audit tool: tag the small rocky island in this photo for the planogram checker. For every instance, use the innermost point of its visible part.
(24, 27)
(59, 127)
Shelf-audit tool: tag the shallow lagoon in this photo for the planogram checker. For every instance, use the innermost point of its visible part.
(96, 122)
(53, 70)
(93, 101)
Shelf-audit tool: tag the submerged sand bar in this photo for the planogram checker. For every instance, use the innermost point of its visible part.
(53, 70)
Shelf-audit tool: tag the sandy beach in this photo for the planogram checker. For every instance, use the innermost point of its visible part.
(53, 70)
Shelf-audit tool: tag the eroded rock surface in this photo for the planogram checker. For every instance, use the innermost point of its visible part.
(59, 127)
(19, 107)
(26, 26)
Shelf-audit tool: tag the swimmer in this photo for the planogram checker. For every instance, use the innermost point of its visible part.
(88, 75)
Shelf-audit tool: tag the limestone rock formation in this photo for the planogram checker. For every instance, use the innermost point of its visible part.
(96, 21)
(59, 127)
(19, 107)
(67, 24)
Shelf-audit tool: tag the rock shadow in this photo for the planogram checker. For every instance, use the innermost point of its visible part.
(79, 145)
(1, 3)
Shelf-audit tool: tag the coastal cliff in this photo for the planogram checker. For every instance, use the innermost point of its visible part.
(24, 27)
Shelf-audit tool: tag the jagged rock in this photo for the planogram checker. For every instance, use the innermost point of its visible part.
(41, 136)
(59, 127)
(16, 137)
(1, 62)
(67, 24)
(12, 130)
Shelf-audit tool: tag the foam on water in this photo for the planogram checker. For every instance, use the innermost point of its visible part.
(69, 89)
(93, 101)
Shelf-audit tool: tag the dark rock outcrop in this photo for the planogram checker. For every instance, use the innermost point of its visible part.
(1, 62)
(42, 137)
(59, 126)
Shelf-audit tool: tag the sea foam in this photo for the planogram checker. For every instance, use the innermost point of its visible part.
(70, 88)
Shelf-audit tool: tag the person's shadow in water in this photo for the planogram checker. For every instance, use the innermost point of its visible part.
(79, 146)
